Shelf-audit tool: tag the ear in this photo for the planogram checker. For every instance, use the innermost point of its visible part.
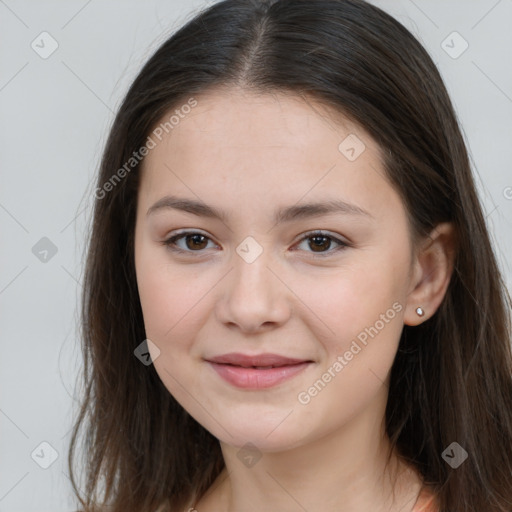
(432, 270)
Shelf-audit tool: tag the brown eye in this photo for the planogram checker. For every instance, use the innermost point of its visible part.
(194, 242)
(320, 244)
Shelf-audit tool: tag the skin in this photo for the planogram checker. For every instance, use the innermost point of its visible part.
(249, 153)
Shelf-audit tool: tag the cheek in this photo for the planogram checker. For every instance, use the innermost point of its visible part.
(344, 303)
(170, 300)
(363, 309)
(171, 307)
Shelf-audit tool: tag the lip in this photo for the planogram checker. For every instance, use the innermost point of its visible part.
(257, 371)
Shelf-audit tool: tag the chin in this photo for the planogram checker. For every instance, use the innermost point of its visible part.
(260, 441)
(266, 434)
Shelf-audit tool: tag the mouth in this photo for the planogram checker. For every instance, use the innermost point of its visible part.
(259, 371)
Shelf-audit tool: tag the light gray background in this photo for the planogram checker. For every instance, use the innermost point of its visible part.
(54, 116)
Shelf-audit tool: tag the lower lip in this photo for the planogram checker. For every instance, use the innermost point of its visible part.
(253, 378)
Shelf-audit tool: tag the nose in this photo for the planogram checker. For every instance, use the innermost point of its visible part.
(254, 295)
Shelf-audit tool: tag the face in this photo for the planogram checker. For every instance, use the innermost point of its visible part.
(276, 324)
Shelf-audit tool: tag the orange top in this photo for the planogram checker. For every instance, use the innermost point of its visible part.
(426, 502)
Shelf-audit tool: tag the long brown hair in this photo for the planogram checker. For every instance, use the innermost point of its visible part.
(451, 380)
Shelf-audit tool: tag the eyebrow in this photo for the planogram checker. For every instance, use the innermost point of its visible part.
(287, 214)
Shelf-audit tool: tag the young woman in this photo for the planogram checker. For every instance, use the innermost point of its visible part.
(291, 301)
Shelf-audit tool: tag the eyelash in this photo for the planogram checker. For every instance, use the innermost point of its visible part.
(171, 245)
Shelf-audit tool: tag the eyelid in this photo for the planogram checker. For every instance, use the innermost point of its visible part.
(323, 232)
(169, 241)
(342, 244)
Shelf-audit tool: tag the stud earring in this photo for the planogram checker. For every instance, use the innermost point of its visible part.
(420, 311)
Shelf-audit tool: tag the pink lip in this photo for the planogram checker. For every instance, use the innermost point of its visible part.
(238, 369)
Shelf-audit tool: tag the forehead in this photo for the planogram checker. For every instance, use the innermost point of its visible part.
(231, 115)
(239, 144)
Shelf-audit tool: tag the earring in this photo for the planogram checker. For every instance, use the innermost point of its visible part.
(420, 311)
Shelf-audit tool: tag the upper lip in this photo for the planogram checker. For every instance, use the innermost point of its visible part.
(255, 360)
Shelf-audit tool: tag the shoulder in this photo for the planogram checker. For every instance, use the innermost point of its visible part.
(426, 502)
(165, 508)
